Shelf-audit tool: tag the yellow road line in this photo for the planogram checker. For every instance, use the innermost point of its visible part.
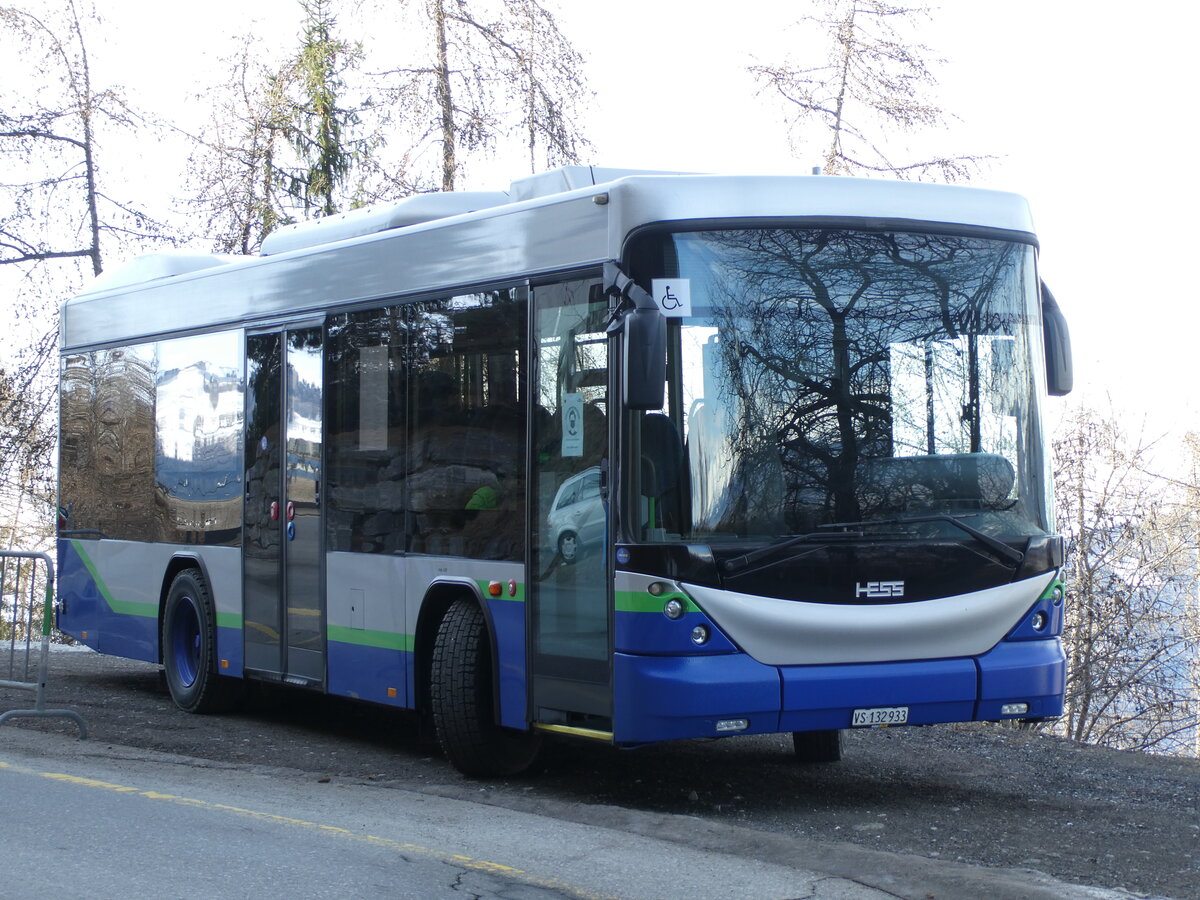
(466, 862)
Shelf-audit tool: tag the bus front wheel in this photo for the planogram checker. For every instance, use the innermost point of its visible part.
(461, 699)
(818, 746)
(189, 648)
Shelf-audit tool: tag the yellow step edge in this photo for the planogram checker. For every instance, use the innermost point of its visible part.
(575, 732)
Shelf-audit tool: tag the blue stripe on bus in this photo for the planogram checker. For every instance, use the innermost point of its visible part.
(1032, 672)
(366, 673)
(87, 611)
(508, 619)
(658, 698)
(231, 644)
(822, 697)
(79, 597)
(653, 633)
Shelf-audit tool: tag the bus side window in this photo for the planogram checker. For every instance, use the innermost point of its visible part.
(365, 414)
(467, 433)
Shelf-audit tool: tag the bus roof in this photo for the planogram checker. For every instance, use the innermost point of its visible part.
(556, 221)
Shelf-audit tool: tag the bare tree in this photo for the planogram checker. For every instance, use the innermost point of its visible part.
(283, 144)
(1131, 574)
(56, 218)
(1191, 622)
(493, 67)
(55, 135)
(234, 164)
(27, 441)
(872, 83)
(296, 139)
(545, 83)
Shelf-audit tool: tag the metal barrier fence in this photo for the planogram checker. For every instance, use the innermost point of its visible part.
(19, 610)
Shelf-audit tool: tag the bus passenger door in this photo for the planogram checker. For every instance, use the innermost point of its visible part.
(570, 597)
(282, 569)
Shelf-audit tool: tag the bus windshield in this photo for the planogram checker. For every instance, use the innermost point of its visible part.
(823, 378)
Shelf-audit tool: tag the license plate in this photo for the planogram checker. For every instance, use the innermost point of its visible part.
(881, 715)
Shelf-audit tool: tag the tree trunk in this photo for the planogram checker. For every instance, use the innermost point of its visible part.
(846, 37)
(445, 99)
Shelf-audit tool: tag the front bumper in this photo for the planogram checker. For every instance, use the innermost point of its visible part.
(668, 697)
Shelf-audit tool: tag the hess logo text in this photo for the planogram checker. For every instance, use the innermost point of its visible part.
(879, 590)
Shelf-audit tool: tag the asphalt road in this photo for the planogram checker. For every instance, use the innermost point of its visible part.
(921, 813)
(106, 823)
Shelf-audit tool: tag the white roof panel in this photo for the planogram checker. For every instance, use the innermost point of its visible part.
(581, 227)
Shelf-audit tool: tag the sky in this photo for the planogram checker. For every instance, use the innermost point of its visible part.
(1085, 105)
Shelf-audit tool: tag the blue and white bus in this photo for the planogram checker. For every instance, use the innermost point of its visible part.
(625, 456)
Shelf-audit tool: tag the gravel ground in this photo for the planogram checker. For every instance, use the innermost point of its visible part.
(978, 794)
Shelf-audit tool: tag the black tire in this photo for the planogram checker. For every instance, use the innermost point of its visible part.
(461, 699)
(818, 746)
(189, 648)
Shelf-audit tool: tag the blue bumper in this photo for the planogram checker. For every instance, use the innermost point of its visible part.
(666, 697)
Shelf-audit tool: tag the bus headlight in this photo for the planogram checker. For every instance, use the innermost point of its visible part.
(673, 608)
(1039, 620)
(700, 634)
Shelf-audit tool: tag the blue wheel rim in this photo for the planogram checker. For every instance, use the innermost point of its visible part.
(185, 641)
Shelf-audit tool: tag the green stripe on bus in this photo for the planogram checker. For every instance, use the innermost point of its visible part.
(642, 602)
(387, 640)
(1050, 588)
(123, 607)
(229, 620)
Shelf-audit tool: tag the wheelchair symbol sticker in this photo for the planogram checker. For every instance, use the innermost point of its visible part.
(673, 296)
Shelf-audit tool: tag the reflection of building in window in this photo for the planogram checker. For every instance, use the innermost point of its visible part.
(200, 399)
(107, 476)
(154, 455)
(209, 421)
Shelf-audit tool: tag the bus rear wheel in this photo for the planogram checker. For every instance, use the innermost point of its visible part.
(461, 699)
(818, 746)
(189, 648)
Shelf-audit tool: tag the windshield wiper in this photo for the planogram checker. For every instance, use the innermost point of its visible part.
(1001, 549)
(737, 563)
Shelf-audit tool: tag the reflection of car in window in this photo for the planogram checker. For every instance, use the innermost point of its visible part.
(577, 516)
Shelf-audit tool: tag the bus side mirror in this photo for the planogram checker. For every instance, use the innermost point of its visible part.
(1060, 376)
(644, 344)
(644, 365)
